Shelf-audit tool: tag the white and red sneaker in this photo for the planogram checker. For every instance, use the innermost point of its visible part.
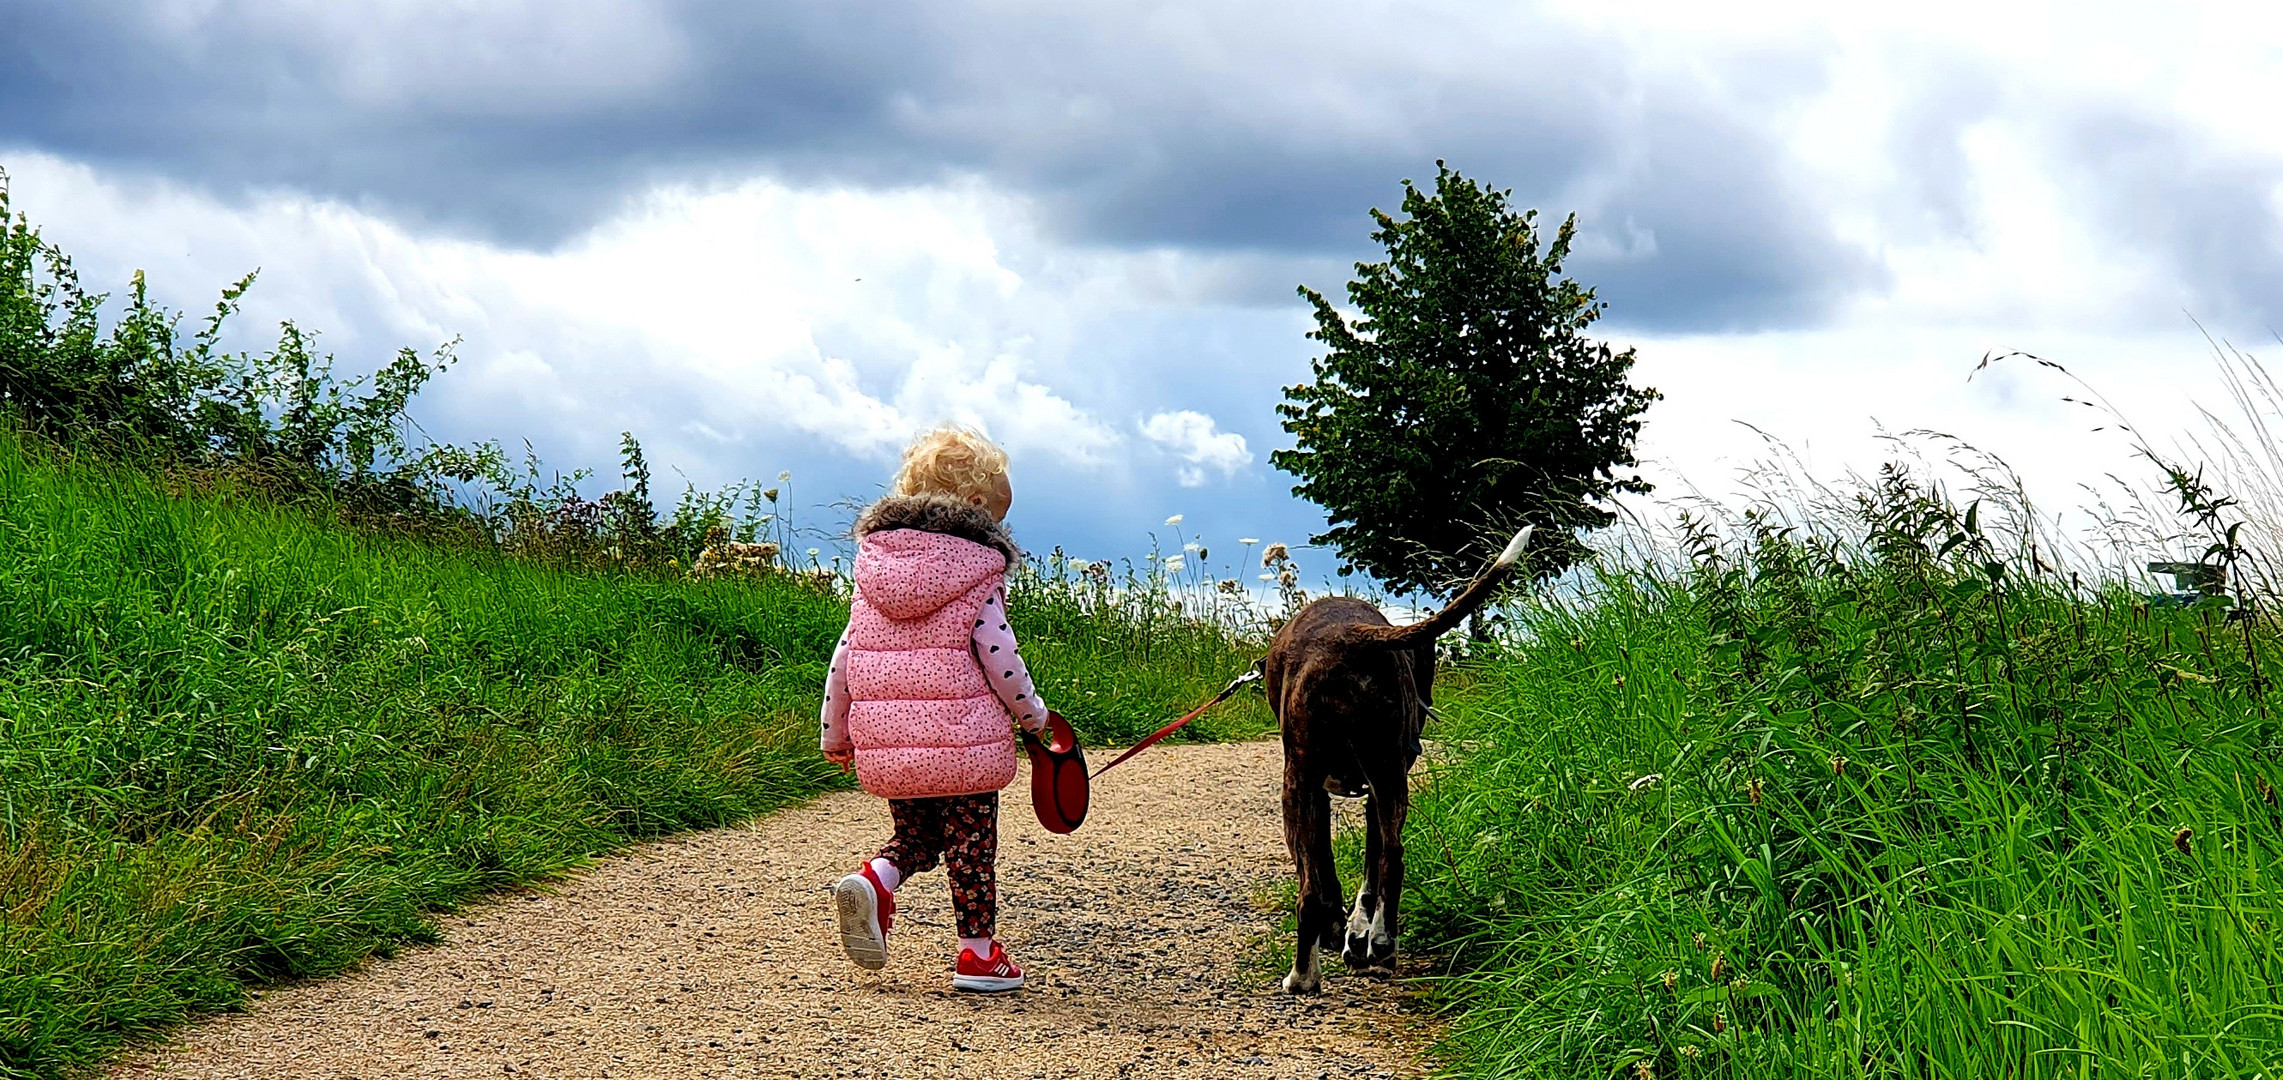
(994, 975)
(867, 909)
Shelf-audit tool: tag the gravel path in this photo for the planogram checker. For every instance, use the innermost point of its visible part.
(714, 955)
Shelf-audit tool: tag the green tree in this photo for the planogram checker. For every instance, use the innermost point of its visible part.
(1464, 399)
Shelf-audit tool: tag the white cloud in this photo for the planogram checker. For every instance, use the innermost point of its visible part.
(1195, 439)
(853, 318)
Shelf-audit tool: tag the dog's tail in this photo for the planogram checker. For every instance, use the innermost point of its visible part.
(1477, 593)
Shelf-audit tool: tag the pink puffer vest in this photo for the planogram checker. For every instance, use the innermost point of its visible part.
(924, 722)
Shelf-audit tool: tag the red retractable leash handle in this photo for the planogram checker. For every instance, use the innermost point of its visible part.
(1234, 685)
(1060, 791)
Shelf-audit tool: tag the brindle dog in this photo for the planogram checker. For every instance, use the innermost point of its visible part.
(1351, 693)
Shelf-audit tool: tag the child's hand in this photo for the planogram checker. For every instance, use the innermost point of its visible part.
(846, 759)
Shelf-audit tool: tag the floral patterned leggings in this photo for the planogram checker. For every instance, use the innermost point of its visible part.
(963, 832)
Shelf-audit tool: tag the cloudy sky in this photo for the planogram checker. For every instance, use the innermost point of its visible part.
(782, 236)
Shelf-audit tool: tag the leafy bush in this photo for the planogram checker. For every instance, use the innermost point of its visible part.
(283, 423)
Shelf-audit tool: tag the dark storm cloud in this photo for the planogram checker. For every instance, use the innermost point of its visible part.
(2211, 220)
(1708, 236)
(1208, 129)
(524, 142)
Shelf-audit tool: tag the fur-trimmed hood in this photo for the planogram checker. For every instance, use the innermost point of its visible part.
(938, 514)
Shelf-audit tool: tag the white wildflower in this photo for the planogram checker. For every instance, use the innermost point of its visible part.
(1174, 520)
(1248, 541)
(1189, 547)
(785, 476)
(1173, 564)
(1268, 577)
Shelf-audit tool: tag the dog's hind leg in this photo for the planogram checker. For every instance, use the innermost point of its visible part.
(1355, 952)
(1383, 867)
(1308, 833)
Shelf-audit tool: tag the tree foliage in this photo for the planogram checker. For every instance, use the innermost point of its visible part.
(144, 390)
(1463, 400)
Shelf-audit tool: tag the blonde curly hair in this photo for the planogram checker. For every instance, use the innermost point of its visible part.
(951, 460)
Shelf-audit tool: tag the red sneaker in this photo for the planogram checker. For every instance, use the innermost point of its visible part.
(994, 975)
(867, 909)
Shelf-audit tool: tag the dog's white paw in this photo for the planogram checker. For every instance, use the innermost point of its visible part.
(1297, 983)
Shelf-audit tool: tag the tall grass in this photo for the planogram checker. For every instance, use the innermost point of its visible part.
(1116, 656)
(1919, 803)
(239, 744)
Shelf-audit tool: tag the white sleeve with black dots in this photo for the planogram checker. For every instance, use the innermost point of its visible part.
(1003, 667)
(834, 735)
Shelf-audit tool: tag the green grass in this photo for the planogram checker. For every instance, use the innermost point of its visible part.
(1918, 810)
(240, 745)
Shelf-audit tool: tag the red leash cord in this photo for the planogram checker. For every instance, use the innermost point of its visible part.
(1169, 729)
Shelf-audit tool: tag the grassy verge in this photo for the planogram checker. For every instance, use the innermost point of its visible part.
(238, 745)
(1910, 809)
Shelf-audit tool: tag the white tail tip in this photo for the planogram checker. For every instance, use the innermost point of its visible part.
(1516, 546)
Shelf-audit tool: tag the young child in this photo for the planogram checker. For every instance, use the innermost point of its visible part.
(921, 691)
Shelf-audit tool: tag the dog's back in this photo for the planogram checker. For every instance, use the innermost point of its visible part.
(1335, 692)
